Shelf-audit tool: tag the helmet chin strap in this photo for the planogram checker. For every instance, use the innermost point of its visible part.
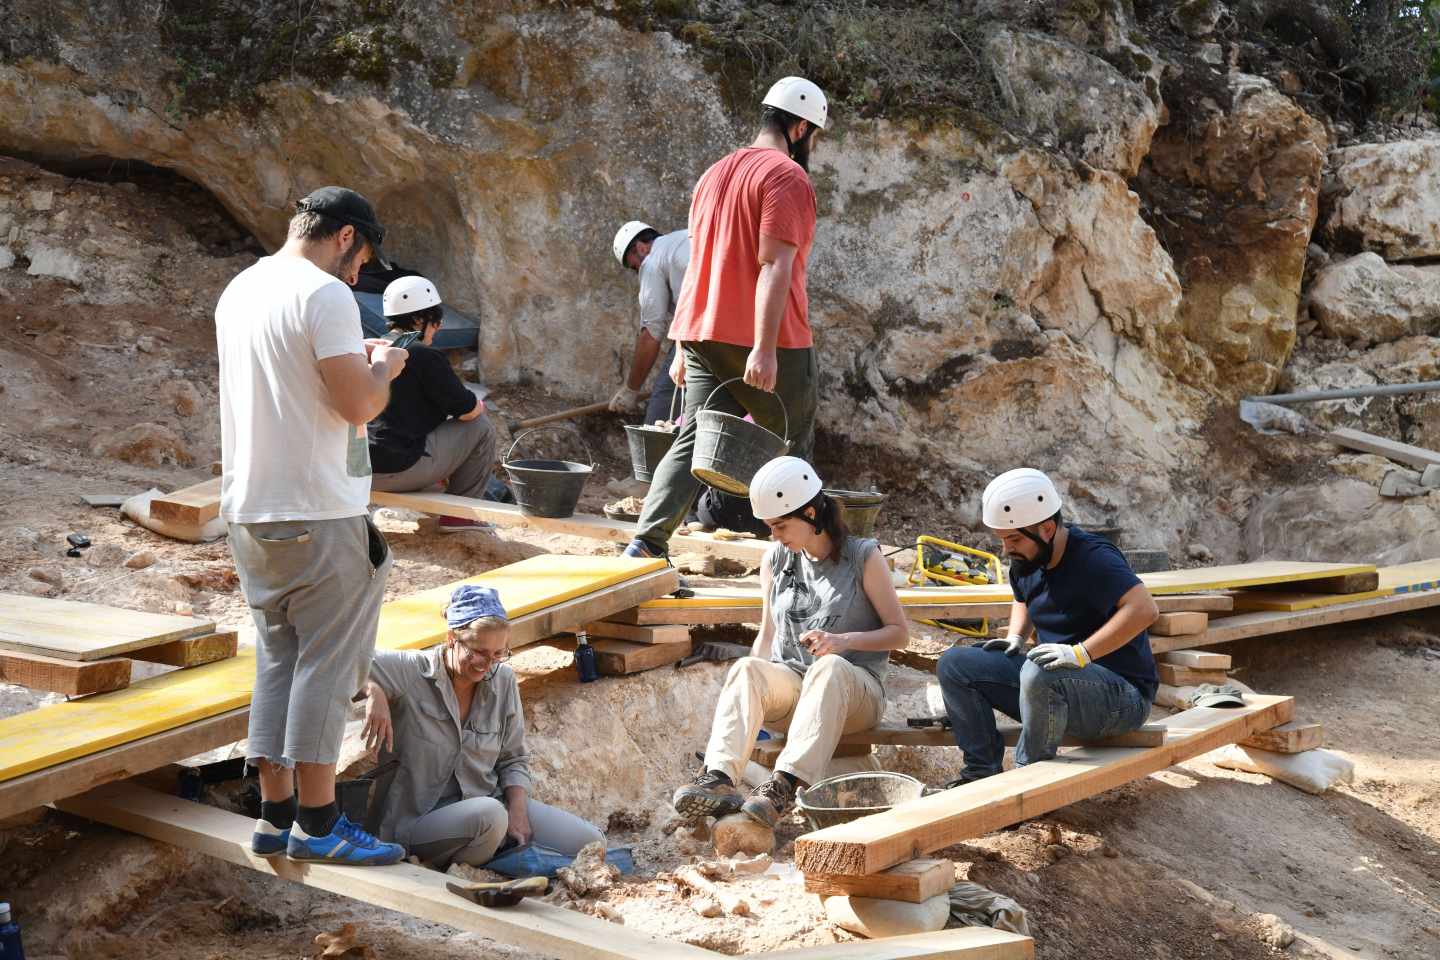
(1047, 548)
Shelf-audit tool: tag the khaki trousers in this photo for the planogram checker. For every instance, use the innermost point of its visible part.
(834, 697)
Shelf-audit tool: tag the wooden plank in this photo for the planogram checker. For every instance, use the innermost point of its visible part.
(1417, 577)
(539, 928)
(194, 506)
(1178, 676)
(121, 762)
(1246, 575)
(878, 842)
(192, 651)
(637, 634)
(75, 630)
(1204, 602)
(617, 658)
(1179, 624)
(1263, 623)
(1417, 457)
(544, 595)
(73, 678)
(914, 881)
(1196, 659)
(962, 943)
(1350, 583)
(1290, 601)
(1293, 737)
(579, 525)
(888, 734)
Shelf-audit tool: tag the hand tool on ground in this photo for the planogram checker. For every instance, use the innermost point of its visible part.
(941, 561)
(715, 651)
(504, 894)
(514, 425)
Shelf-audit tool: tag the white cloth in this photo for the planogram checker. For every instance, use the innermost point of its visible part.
(661, 276)
(288, 455)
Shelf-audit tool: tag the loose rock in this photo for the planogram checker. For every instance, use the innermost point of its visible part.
(737, 833)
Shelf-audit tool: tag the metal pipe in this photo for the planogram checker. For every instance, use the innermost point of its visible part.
(1383, 390)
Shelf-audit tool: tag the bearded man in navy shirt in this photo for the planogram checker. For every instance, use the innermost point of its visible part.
(1091, 674)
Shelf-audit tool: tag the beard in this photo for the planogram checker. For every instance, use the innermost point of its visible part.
(800, 150)
(341, 271)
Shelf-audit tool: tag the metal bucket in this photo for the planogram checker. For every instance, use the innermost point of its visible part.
(648, 446)
(854, 795)
(547, 488)
(859, 508)
(730, 450)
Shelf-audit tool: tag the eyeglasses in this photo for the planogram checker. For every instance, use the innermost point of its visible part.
(489, 656)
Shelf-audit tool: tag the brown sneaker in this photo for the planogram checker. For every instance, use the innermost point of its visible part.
(770, 801)
(710, 794)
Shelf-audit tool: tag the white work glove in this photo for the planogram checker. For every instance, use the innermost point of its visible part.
(1010, 645)
(1053, 656)
(626, 400)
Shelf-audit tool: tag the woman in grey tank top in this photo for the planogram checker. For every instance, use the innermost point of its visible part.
(817, 669)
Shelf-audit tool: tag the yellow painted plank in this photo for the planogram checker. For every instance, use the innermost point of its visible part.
(63, 731)
(747, 597)
(1268, 600)
(1411, 577)
(1247, 575)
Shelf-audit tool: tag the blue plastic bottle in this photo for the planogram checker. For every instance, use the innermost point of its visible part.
(584, 662)
(10, 947)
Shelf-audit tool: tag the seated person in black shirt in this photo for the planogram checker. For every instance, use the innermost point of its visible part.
(434, 428)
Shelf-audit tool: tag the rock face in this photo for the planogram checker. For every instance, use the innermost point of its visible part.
(1363, 298)
(1385, 197)
(1253, 175)
(1343, 518)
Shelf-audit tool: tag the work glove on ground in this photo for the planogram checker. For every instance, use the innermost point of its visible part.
(1053, 656)
(626, 400)
(1009, 645)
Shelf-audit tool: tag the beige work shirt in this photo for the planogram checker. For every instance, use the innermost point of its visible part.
(484, 753)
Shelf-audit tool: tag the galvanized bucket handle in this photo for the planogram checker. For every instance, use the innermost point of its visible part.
(785, 413)
(554, 426)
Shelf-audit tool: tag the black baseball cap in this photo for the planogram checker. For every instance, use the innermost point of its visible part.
(347, 206)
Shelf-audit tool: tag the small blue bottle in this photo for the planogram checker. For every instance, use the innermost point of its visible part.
(10, 946)
(584, 662)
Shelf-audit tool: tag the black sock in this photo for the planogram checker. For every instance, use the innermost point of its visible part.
(318, 821)
(789, 778)
(722, 777)
(280, 813)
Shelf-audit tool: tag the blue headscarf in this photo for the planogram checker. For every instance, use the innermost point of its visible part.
(470, 602)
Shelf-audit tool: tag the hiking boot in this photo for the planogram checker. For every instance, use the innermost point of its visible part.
(710, 794)
(268, 840)
(346, 843)
(460, 525)
(770, 802)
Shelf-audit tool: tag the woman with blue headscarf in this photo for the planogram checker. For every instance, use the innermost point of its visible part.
(452, 717)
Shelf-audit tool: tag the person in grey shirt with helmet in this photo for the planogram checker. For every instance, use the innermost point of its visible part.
(817, 670)
(661, 262)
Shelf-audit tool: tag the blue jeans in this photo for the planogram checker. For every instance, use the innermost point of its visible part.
(1091, 703)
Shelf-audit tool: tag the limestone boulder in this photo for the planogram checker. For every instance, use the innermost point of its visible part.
(1363, 298)
(1072, 99)
(1412, 418)
(1385, 197)
(1239, 182)
(1343, 518)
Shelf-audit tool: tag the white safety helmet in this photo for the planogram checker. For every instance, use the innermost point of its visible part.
(1019, 498)
(626, 235)
(782, 486)
(799, 97)
(409, 294)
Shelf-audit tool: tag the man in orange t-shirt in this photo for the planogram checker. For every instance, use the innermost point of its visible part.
(742, 323)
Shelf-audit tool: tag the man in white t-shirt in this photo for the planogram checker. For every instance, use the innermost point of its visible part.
(298, 383)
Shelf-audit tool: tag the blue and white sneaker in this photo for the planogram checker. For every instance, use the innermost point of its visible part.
(268, 840)
(639, 548)
(346, 843)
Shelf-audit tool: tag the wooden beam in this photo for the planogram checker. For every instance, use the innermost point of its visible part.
(962, 943)
(1196, 659)
(878, 842)
(121, 762)
(193, 506)
(1245, 625)
(1293, 737)
(637, 634)
(1349, 583)
(914, 881)
(74, 678)
(767, 752)
(192, 651)
(1178, 676)
(1203, 602)
(1417, 457)
(569, 615)
(537, 928)
(617, 658)
(1288, 601)
(1179, 624)
(893, 734)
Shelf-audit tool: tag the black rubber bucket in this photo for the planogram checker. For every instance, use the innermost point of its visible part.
(730, 450)
(648, 446)
(861, 509)
(546, 487)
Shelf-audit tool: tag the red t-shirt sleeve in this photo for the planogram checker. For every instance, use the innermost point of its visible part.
(787, 207)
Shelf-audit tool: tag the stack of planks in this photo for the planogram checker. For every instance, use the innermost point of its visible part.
(78, 649)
